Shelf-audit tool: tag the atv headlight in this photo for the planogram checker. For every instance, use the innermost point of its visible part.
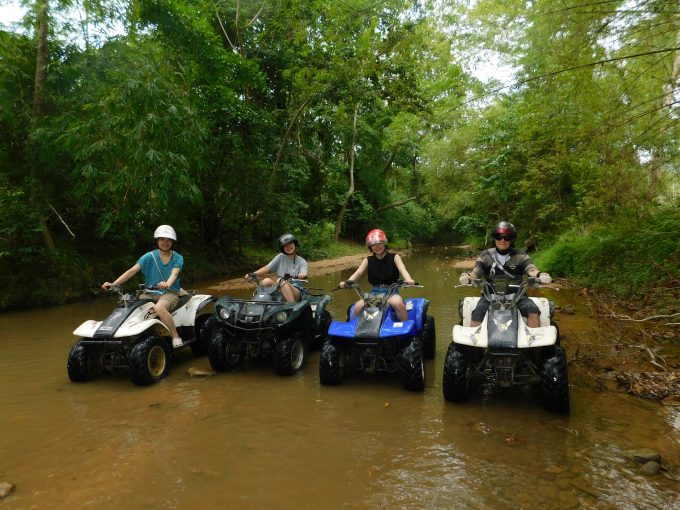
(224, 313)
(281, 316)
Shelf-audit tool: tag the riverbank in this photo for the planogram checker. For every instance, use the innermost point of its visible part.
(316, 267)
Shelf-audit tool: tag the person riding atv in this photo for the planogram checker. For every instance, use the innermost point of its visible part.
(378, 341)
(268, 326)
(494, 343)
(288, 262)
(133, 337)
(161, 269)
(504, 259)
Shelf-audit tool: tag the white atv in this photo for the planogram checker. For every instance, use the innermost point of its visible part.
(503, 351)
(134, 338)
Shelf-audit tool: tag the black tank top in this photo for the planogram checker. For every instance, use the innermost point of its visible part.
(382, 271)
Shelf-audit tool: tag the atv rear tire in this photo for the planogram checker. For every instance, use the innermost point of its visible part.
(290, 355)
(456, 377)
(555, 383)
(429, 338)
(331, 364)
(149, 361)
(224, 351)
(84, 363)
(203, 332)
(412, 369)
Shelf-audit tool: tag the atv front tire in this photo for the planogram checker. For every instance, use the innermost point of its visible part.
(331, 364)
(149, 361)
(456, 377)
(84, 363)
(555, 383)
(290, 355)
(224, 351)
(412, 369)
(429, 338)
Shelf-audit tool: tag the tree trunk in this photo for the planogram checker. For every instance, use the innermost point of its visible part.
(350, 191)
(38, 111)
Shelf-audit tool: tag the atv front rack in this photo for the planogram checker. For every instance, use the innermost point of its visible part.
(240, 320)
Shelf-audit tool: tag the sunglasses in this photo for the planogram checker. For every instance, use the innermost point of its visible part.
(504, 237)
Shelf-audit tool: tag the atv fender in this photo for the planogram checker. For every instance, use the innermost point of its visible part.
(472, 336)
(342, 329)
(469, 304)
(417, 308)
(526, 337)
(318, 309)
(398, 328)
(185, 315)
(536, 337)
(87, 329)
(135, 328)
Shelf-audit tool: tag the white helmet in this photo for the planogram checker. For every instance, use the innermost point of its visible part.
(165, 231)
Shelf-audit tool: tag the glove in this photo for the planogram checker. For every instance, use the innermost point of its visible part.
(465, 279)
(544, 278)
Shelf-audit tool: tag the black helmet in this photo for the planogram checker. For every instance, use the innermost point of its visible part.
(505, 228)
(287, 238)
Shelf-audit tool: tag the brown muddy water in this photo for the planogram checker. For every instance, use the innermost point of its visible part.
(251, 439)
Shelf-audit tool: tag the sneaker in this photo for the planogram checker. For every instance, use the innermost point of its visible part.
(177, 342)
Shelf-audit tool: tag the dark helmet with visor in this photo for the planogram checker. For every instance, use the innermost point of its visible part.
(287, 238)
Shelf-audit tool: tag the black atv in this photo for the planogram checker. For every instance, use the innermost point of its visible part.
(266, 326)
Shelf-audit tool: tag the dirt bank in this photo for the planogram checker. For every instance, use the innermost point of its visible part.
(317, 267)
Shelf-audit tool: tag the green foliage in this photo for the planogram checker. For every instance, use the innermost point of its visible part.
(235, 122)
(134, 136)
(625, 258)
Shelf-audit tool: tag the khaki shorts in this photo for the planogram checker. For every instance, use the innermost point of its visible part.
(171, 297)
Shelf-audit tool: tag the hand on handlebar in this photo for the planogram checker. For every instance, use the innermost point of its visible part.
(544, 278)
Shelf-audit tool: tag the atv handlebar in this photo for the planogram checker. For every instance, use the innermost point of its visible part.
(390, 291)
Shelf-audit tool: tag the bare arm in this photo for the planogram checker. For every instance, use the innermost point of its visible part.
(174, 274)
(124, 277)
(402, 270)
(260, 272)
(357, 274)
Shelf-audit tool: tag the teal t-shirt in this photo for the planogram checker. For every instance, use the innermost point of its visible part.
(155, 271)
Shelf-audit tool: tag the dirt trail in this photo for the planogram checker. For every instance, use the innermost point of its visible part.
(321, 267)
(317, 267)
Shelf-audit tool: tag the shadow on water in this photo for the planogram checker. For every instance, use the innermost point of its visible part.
(252, 439)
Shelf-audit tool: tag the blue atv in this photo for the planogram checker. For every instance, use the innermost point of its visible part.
(376, 341)
(266, 326)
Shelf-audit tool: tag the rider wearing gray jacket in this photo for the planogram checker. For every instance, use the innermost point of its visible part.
(505, 260)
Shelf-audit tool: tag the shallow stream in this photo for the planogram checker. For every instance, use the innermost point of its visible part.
(250, 439)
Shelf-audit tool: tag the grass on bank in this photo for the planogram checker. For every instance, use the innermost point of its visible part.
(635, 260)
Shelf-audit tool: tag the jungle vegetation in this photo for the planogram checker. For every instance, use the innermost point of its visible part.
(237, 120)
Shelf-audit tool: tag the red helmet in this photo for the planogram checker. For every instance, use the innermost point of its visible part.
(375, 236)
